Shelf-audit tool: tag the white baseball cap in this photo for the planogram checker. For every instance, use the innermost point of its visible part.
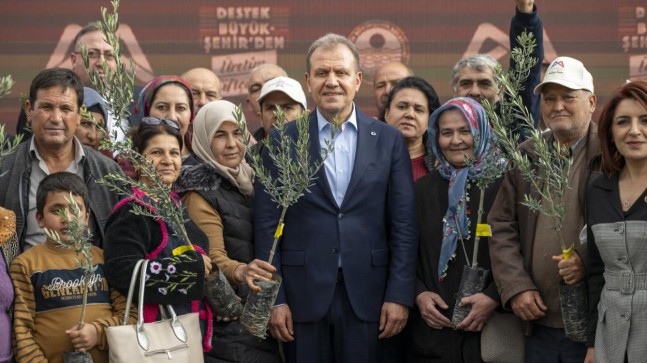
(568, 72)
(287, 85)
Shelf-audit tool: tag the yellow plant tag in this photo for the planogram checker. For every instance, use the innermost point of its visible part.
(567, 253)
(279, 231)
(180, 250)
(483, 230)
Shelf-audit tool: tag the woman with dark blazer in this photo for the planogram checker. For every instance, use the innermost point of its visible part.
(617, 231)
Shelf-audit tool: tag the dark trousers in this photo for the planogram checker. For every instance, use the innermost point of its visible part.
(231, 343)
(426, 344)
(549, 345)
(339, 337)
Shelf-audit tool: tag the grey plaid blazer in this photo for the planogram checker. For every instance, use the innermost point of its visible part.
(617, 256)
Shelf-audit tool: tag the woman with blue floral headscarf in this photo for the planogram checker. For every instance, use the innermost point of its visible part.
(448, 201)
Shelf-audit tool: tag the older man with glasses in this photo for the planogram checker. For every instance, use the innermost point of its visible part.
(98, 51)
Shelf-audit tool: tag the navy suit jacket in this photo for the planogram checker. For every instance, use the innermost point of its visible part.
(375, 229)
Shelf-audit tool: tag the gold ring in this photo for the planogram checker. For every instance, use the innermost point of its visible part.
(256, 276)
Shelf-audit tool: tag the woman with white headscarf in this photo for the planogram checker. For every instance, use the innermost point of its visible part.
(217, 191)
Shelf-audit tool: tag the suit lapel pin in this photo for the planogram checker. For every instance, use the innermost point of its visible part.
(373, 133)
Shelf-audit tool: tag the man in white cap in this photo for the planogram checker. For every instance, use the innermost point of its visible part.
(284, 93)
(526, 255)
(257, 78)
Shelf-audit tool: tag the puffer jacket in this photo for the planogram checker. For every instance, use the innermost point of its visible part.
(235, 209)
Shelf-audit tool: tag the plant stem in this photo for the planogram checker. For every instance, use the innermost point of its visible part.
(566, 252)
(85, 302)
(185, 235)
(277, 235)
(477, 238)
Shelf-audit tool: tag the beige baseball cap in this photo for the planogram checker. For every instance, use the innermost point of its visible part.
(568, 72)
(287, 85)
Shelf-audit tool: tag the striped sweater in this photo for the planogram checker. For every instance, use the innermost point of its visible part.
(48, 301)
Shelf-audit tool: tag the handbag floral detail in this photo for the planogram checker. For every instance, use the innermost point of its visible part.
(169, 274)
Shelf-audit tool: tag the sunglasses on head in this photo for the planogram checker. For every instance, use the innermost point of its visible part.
(154, 121)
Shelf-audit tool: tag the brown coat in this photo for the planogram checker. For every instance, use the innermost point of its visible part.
(513, 224)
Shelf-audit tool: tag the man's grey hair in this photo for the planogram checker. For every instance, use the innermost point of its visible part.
(329, 42)
(477, 62)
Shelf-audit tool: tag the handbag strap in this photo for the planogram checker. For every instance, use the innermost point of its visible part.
(140, 298)
(176, 325)
(142, 339)
(131, 289)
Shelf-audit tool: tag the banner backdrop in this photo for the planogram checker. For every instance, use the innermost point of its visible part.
(233, 36)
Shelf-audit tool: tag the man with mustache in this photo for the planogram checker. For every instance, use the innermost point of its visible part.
(526, 256)
(53, 110)
(474, 75)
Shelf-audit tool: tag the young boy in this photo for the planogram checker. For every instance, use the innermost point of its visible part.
(48, 286)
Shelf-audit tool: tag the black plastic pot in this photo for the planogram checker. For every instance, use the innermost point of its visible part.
(221, 296)
(258, 308)
(574, 303)
(77, 357)
(472, 282)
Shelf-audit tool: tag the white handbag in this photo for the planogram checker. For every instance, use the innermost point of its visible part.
(177, 339)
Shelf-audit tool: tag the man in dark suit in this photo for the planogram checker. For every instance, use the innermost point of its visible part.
(348, 252)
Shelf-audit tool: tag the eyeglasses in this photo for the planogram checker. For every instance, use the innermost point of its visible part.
(95, 54)
(154, 121)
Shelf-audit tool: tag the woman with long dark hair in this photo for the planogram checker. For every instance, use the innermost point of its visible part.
(617, 231)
